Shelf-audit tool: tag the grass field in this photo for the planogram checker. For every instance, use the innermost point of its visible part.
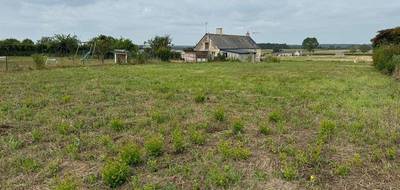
(288, 125)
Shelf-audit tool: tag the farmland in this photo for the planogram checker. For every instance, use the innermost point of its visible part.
(289, 125)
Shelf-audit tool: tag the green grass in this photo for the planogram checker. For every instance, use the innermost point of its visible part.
(336, 121)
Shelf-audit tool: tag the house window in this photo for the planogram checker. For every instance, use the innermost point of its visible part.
(207, 45)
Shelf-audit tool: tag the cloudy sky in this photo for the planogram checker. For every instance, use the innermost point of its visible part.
(284, 21)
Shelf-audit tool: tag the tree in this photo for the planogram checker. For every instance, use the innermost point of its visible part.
(161, 47)
(310, 44)
(365, 48)
(387, 37)
(103, 46)
(126, 44)
(65, 44)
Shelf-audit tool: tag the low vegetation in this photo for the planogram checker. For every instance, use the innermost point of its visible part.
(292, 125)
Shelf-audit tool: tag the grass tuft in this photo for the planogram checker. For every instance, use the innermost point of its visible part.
(154, 146)
(115, 173)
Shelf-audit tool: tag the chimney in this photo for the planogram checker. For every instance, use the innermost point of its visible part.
(248, 34)
(220, 31)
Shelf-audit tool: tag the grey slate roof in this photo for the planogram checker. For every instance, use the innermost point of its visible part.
(241, 51)
(223, 41)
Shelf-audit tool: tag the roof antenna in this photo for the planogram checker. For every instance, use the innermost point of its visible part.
(206, 27)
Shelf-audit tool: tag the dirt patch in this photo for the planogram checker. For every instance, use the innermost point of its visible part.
(4, 128)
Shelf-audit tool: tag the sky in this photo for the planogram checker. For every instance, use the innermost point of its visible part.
(283, 21)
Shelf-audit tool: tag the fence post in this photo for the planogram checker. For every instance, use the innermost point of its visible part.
(6, 63)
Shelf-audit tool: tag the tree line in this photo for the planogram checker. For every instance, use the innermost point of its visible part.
(63, 45)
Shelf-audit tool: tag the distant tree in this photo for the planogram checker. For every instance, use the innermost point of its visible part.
(126, 44)
(28, 42)
(310, 44)
(161, 47)
(353, 49)
(65, 44)
(387, 37)
(103, 46)
(364, 48)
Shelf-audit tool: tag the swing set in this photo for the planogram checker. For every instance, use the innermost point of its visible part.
(88, 55)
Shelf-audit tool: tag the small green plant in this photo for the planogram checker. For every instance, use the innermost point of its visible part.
(64, 129)
(130, 154)
(219, 115)
(237, 127)
(117, 125)
(74, 148)
(154, 146)
(200, 98)
(39, 60)
(66, 184)
(152, 165)
(223, 177)
(326, 131)
(66, 99)
(265, 130)
(275, 117)
(342, 170)
(391, 153)
(14, 143)
(37, 135)
(178, 141)
(28, 165)
(159, 117)
(289, 173)
(197, 137)
(233, 152)
(115, 173)
(357, 161)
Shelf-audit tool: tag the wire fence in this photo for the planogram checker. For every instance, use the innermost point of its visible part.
(14, 63)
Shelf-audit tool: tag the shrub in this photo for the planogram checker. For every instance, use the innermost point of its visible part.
(117, 125)
(265, 130)
(39, 60)
(386, 58)
(142, 58)
(275, 117)
(237, 127)
(130, 154)
(272, 59)
(115, 173)
(178, 141)
(219, 115)
(154, 146)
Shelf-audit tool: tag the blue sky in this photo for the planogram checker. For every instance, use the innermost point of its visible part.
(285, 21)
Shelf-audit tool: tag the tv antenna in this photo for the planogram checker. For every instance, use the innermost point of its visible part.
(206, 27)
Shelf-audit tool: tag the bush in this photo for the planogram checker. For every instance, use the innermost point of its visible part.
(142, 58)
(39, 60)
(386, 58)
(115, 173)
(272, 59)
(130, 154)
(154, 146)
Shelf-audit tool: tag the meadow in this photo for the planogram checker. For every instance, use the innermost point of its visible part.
(288, 125)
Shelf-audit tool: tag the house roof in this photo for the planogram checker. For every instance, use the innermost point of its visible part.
(223, 41)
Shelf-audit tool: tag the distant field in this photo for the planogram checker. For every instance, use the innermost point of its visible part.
(289, 125)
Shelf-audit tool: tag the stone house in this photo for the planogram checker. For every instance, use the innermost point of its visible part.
(234, 47)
